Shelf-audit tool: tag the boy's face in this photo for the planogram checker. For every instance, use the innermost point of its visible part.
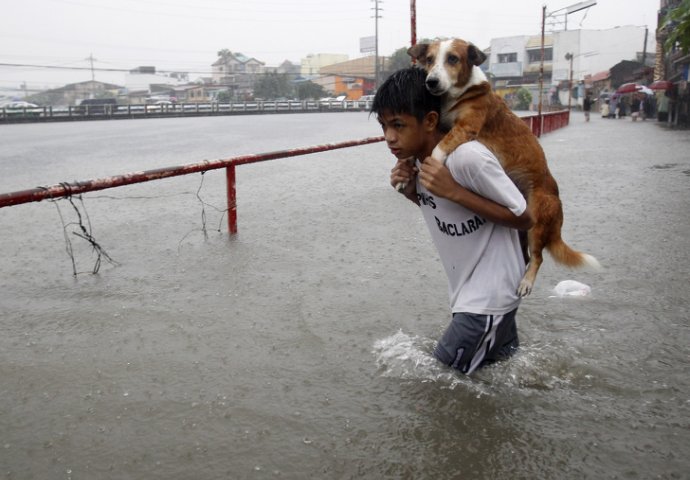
(405, 135)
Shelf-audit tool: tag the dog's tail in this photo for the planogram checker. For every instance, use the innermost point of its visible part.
(565, 255)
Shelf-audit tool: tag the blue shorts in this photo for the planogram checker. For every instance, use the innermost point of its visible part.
(472, 341)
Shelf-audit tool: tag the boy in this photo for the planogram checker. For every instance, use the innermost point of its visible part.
(473, 211)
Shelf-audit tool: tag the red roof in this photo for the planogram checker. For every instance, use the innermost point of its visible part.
(600, 76)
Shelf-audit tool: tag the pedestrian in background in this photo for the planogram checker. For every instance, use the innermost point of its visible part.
(635, 108)
(604, 110)
(587, 106)
(613, 106)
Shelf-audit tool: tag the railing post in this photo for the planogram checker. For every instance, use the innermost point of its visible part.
(232, 198)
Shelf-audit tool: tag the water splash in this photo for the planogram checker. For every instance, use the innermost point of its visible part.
(410, 358)
(533, 368)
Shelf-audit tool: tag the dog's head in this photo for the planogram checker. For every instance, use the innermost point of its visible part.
(449, 64)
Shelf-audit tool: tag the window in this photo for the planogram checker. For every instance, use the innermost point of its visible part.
(534, 56)
(507, 57)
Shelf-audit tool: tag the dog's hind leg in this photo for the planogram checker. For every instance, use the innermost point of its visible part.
(536, 247)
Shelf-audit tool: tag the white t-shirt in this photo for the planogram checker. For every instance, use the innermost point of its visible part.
(483, 261)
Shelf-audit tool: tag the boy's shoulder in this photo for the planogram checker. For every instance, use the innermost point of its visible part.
(472, 150)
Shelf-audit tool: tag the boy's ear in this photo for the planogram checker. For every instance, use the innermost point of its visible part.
(431, 120)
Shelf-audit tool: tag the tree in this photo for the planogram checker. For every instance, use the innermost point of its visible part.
(677, 26)
(224, 53)
(309, 89)
(523, 99)
(400, 59)
(273, 85)
(224, 97)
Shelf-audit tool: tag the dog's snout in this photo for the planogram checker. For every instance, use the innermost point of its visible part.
(431, 83)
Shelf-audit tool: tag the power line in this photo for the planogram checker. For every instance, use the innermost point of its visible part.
(97, 69)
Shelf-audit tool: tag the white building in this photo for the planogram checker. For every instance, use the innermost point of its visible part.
(312, 63)
(516, 60)
(141, 79)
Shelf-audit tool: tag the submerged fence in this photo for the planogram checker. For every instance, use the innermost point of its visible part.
(539, 124)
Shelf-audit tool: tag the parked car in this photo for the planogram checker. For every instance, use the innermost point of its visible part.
(96, 106)
(22, 108)
(17, 105)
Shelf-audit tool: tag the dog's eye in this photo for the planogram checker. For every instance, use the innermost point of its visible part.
(429, 60)
(452, 60)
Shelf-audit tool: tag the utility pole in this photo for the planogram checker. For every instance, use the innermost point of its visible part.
(541, 70)
(93, 75)
(569, 56)
(91, 59)
(413, 24)
(376, 46)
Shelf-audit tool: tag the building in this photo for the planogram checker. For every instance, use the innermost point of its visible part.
(673, 65)
(141, 78)
(516, 62)
(313, 63)
(73, 93)
(237, 72)
(352, 78)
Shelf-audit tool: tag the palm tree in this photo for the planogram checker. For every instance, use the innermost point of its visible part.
(677, 25)
(224, 53)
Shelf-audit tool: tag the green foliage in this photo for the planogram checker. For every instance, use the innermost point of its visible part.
(677, 24)
(400, 59)
(307, 90)
(523, 99)
(224, 97)
(273, 85)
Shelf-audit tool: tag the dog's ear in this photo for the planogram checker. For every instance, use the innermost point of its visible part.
(475, 56)
(418, 51)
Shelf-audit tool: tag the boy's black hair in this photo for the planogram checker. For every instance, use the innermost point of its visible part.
(405, 92)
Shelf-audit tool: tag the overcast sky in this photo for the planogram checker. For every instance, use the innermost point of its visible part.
(185, 35)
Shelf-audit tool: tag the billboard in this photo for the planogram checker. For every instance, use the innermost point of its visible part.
(367, 44)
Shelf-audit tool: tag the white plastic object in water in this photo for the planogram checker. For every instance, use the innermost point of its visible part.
(571, 288)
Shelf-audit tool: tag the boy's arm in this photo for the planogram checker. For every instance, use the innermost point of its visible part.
(436, 178)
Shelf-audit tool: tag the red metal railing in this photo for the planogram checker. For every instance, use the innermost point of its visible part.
(544, 124)
(67, 189)
(547, 122)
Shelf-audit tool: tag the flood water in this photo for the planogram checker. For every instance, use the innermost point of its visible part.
(300, 348)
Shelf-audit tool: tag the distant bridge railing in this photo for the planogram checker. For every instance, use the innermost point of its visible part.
(102, 112)
(548, 121)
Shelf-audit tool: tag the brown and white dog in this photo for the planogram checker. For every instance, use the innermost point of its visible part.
(472, 111)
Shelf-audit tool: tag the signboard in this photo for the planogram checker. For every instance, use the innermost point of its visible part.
(367, 44)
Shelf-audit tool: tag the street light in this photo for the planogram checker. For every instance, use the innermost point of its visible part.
(576, 7)
(569, 56)
(570, 9)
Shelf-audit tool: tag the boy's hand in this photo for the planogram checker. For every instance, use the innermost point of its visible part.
(436, 178)
(404, 172)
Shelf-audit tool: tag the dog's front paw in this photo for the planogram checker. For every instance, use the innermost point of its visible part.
(438, 154)
(525, 288)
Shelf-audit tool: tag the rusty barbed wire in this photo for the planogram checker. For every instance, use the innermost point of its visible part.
(83, 232)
